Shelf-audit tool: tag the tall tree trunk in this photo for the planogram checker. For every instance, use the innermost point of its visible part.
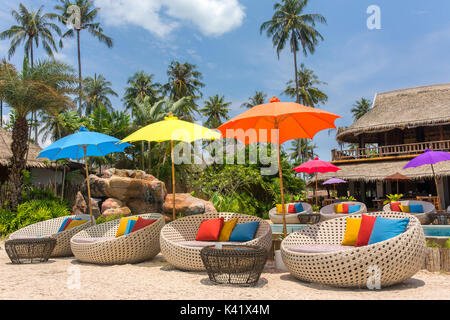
(1, 113)
(19, 148)
(80, 81)
(31, 122)
(294, 51)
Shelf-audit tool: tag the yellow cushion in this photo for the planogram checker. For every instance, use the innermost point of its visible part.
(351, 231)
(227, 228)
(123, 225)
(405, 208)
(280, 208)
(339, 208)
(75, 223)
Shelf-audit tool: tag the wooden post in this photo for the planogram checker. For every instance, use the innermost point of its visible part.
(445, 259)
(88, 184)
(432, 260)
(173, 181)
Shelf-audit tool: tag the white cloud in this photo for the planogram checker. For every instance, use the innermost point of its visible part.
(210, 17)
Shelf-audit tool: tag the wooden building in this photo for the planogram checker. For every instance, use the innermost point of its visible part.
(401, 125)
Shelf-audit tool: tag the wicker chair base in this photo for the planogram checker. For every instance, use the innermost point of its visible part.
(30, 250)
(241, 267)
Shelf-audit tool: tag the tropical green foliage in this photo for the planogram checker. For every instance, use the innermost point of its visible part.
(96, 92)
(361, 107)
(393, 198)
(258, 98)
(216, 111)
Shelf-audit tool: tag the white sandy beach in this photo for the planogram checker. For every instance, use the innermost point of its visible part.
(156, 279)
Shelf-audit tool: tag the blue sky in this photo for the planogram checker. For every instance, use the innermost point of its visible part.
(222, 38)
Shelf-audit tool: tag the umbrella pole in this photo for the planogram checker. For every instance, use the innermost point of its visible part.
(316, 189)
(173, 182)
(397, 186)
(437, 188)
(280, 173)
(88, 184)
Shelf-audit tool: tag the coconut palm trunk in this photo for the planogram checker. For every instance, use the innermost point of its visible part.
(19, 148)
(80, 79)
(294, 51)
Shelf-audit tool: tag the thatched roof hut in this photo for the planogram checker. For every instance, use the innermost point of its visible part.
(6, 153)
(378, 170)
(401, 109)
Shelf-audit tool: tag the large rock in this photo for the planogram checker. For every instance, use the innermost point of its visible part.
(186, 204)
(122, 211)
(139, 206)
(111, 203)
(80, 206)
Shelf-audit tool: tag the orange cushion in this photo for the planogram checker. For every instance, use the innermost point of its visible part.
(209, 230)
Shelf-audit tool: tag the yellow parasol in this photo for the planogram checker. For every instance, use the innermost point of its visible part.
(172, 129)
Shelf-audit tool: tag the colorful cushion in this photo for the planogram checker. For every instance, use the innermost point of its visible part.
(123, 226)
(416, 208)
(130, 226)
(291, 208)
(74, 223)
(142, 223)
(64, 224)
(244, 232)
(395, 206)
(209, 230)
(280, 208)
(339, 208)
(351, 231)
(365, 230)
(404, 208)
(384, 229)
(227, 229)
(299, 207)
(353, 208)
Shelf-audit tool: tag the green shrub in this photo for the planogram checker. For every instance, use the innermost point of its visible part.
(108, 218)
(31, 212)
(447, 244)
(432, 244)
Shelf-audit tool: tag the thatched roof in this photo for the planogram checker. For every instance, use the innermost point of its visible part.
(6, 153)
(377, 171)
(406, 108)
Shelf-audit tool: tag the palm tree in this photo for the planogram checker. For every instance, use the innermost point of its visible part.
(288, 24)
(140, 85)
(302, 151)
(215, 110)
(44, 87)
(361, 107)
(58, 124)
(96, 91)
(257, 99)
(308, 94)
(33, 28)
(184, 81)
(88, 16)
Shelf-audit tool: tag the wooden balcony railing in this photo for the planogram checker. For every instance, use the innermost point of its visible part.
(390, 151)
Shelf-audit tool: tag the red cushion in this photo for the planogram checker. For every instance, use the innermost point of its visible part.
(345, 207)
(365, 230)
(142, 223)
(209, 230)
(395, 206)
(67, 224)
(291, 209)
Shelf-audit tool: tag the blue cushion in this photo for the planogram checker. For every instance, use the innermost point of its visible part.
(384, 229)
(244, 232)
(415, 208)
(63, 224)
(352, 208)
(299, 207)
(130, 225)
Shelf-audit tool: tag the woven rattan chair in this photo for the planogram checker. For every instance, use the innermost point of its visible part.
(398, 258)
(176, 234)
(99, 245)
(327, 212)
(291, 218)
(425, 217)
(49, 228)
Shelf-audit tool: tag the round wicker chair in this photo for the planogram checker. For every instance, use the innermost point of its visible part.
(99, 245)
(185, 229)
(49, 228)
(291, 218)
(424, 218)
(327, 212)
(398, 258)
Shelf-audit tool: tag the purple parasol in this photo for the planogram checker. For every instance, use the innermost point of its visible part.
(429, 157)
(334, 181)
